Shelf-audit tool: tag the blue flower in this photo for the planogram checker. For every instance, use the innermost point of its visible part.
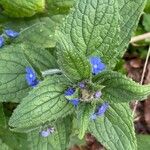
(82, 85)
(69, 91)
(98, 94)
(1, 41)
(93, 116)
(97, 65)
(100, 111)
(46, 133)
(11, 33)
(31, 77)
(75, 102)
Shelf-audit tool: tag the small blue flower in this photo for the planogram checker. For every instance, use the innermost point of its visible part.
(98, 94)
(45, 133)
(69, 91)
(75, 102)
(31, 77)
(93, 116)
(11, 33)
(1, 41)
(97, 65)
(82, 85)
(102, 109)
(100, 112)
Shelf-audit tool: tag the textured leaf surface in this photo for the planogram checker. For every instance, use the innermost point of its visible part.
(2, 116)
(44, 103)
(37, 31)
(143, 142)
(130, 11)
(119, 88)
(74, 65)
(56, 141)
(3, 146)
(83, 116)
(101, 27)
(115, 129)
(92, 26)
(19, 8)
(13, 61)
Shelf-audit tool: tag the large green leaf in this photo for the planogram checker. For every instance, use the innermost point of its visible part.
(115, 129)
(91, 27)
(56, 141)
(101, 27)
(119, 88)
(13, 61)
(44, 103)
(2, 116)
(19, 8)
(74, 65)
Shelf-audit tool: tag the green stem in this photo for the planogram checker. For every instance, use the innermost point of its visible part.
(50, 72)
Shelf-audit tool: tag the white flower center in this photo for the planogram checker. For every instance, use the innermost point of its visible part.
(95, 66)
(31, 75)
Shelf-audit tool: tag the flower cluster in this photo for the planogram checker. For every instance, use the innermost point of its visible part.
(9, 33)
(100, 111)
(97, 65)
(31, 77)
(47, 132)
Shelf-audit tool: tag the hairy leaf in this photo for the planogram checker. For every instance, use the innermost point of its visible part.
(74, 65)
(55, 141)
(119, 88)
(91, 27)
(13, 61)
(19, 8)
(83, 115)
(2, 116)
(45, 103)
(115, 129)
(130, 12)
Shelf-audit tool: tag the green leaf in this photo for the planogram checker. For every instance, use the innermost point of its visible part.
(4, 146)
(14, 140)
(91, 27)
(130, 12)
(143, 142)
(36, 31)
(147, 7)
(2, 116)
(59, 6)
(146, 22)
(101, 28)
(56, 141)
(83, 115)
(74, 65)
(19, 8)
(119, 88)
(115, 130)
(13, 61)
(44, 103)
